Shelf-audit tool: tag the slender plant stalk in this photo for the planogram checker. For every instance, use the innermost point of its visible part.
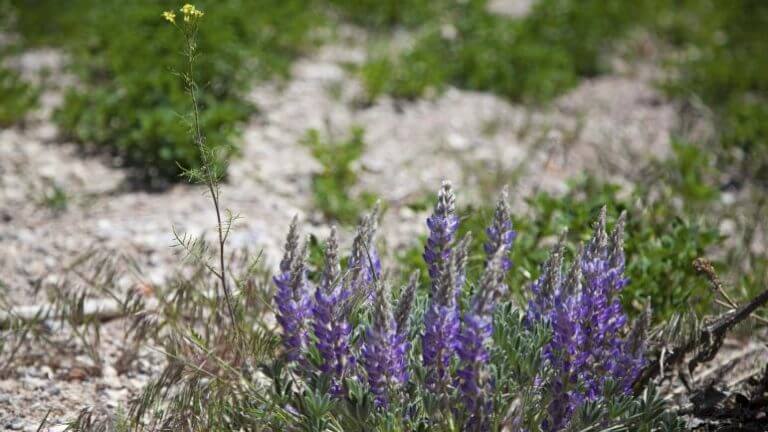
(210, 175)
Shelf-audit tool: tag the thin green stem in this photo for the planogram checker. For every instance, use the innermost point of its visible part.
(210, 177)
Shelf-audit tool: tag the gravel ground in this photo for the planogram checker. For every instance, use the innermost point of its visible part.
(605, 125)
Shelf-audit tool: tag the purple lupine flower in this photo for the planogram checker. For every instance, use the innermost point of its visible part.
(331, 328)
(601, 312)
(405, 304)
(477, 325)
(364, 262)
(442, 321)
(500, 233)
(384, 352)
(291, 297)
(587, 320)
(544, 286)
(439, 342)
(442, 226)
(561, 349)
(446, 272)
(474, 379)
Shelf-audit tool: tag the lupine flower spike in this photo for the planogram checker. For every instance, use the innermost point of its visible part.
(405, 304)
(544, 287)
(477, 326)
(291, 296)
(364, 263)
(441, 321)
(442, 229)
(384, 352)
(331, 328)
(500, 233)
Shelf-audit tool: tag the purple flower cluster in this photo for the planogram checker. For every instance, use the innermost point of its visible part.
(384, 352)
(292, 295)
(500, 233)
(589, 345)
(326, 312)
(587, 320)
(364, 262)
(446, 270)
(474, 379)
(331, 329)
(442, 226)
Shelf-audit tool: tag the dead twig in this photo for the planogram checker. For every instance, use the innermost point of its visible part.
(705, 267)
(708, 342)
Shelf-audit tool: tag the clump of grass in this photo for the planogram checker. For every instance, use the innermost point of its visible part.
(55, 198)
(332, 188)
(29, 337)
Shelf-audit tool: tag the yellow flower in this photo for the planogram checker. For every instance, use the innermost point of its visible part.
(190, 11)
(187, 9)
(170, 16)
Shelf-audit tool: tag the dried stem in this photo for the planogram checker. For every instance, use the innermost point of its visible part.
(711, 338)
(705, 267)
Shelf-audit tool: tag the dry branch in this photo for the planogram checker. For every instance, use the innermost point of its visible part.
(707, 344)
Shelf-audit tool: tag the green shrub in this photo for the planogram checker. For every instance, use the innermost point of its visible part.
(128, 103)
(16, 97)
(331, 188)
(533, 59)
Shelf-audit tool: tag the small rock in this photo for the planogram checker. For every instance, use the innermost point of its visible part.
(115, 397)
(111, 379)
(15, 424)
(76, 374)
(456, 141)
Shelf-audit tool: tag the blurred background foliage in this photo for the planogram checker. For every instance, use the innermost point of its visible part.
(128, 105)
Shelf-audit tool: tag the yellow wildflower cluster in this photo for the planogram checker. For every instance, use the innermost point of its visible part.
(190, 12)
